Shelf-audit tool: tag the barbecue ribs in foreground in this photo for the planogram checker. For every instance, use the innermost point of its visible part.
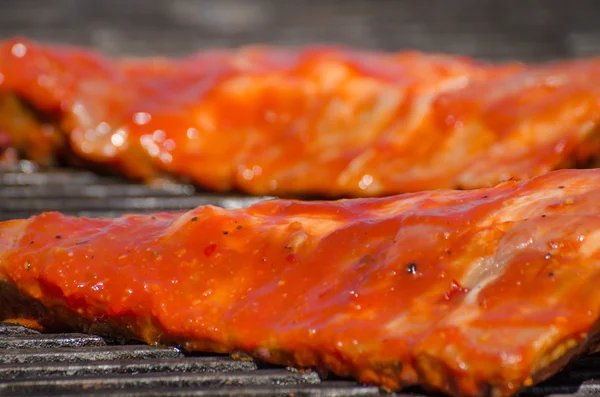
(473, 293)
(314, 121)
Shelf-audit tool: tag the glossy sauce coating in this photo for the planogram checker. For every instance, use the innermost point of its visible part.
(469, 292)
(312, 121)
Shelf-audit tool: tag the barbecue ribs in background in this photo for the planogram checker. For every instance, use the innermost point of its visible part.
(318, 121)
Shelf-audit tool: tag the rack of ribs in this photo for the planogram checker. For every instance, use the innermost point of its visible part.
(477, 292)
(308, 122)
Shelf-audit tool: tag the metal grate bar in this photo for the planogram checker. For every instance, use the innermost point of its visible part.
(51, 341)
(149, 381)
(22, 356)
(15, 330)
(86, 194)
(54, 177)
(329, 389)
(187, 364)
(121, 203)
(91, 191)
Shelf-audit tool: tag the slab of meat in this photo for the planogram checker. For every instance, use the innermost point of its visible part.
(476, 292)
(313, 121)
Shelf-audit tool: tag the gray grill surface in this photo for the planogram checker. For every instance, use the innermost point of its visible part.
(530, 30)
(70, 364)
(83, 193)
(75, 364)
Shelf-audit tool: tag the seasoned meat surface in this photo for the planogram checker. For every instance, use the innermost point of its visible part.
(478, 292)
(314, 121)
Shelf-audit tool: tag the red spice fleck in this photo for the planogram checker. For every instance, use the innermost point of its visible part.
(210, 248)
(292, 258)
(455, 288)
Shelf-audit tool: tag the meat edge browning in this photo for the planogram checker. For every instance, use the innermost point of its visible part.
(33, 134)
(54, 316)
(134, 162)
(439, 377)
(42, 136)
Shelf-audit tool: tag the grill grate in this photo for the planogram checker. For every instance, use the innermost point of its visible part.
(83, 193)
(75, 364)
(67, 364)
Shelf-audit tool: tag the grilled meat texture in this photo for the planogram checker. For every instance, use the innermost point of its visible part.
(478, 292)
(319, 121)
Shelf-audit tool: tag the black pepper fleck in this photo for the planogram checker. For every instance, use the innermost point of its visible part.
(31, 242)
(561, 187)
(153, 218)
(448, 252)
(58, 236)
(543, 215)
(485, 197)
(238, 227)
(551, 274)
(92, 257)
(225, 232)
(411, 268)
(194, 219)
(287, 247)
